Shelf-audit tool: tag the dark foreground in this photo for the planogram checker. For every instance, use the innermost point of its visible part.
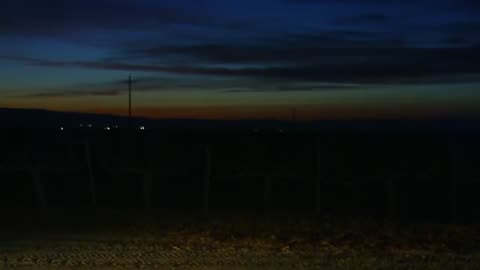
(124, 239)
(353, 179)
(401, 173)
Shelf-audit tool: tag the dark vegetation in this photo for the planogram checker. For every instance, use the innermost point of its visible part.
(374, 198)
(407, 175)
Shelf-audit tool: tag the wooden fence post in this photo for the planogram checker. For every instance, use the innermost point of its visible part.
(39, 188)
(453, 183)
(206, 180)
(147, 189)
(391, 199)
(267, 192)
(92, 184)
(318, 180)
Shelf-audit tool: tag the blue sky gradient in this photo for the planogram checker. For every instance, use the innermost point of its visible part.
(243, 59)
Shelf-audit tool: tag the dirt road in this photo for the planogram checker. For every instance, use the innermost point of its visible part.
(133, 242)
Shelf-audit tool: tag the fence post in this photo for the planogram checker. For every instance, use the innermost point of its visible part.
(39, 188)
(391, 198)
(453, 183)
(318, 180)
(147, 189)
(92, 184)
(206, 180)
(267, 192)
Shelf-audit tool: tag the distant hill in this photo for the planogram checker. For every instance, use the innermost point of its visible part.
(36, 118)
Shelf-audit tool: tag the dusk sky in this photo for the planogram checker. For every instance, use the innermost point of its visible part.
(243, 59)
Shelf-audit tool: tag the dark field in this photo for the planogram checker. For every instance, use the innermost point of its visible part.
(412, 175)
(275, 199)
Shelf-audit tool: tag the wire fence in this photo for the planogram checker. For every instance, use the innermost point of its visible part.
(392, 176)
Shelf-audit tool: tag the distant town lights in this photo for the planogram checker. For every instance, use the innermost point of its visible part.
(142, 128)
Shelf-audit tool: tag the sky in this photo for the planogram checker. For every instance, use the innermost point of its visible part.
(217, 59)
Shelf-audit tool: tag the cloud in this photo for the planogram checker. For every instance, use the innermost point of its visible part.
(446, 5)
(463, 27)
(152, 84)
(108, 88)
(347, 65)
(299, 49)
(296, 87)
(185, 47)
(78, 93)
(459, 33)
(360, 2)
(371, 18)
(55, 17)
(468, 4)
(341, 56)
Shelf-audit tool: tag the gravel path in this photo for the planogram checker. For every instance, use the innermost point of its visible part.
(112, 255)
(111, 242)
(117, 255)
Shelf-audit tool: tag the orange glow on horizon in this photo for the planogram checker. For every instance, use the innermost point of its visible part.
(307, 113)
(274, 112)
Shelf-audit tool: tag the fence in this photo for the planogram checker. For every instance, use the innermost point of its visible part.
(366, 170)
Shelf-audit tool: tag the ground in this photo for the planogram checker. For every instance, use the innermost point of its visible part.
(128, 239)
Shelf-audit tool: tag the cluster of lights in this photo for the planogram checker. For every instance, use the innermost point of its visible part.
(108, 128)
(62, 128)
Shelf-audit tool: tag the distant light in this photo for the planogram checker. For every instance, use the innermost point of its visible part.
(89, 125)
(107, 128)
(142, 128)
(81, 125)
(61, 128)
(116, 126)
